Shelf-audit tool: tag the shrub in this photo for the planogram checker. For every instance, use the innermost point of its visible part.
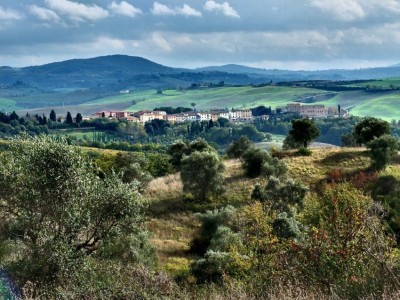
(346, 246)
(211, 221)
(258, 162)
(238, 147)
(303, 152)
(382, 149)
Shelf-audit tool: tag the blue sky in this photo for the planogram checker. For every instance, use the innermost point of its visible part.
(284, 34)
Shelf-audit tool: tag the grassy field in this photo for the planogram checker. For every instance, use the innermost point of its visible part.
(383, 104)
(8, 104)
(384, 83)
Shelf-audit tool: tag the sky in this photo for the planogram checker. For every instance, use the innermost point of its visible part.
(271, 34)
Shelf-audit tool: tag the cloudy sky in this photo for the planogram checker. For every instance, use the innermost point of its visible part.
(285, 34)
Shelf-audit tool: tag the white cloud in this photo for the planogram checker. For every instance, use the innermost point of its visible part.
(44, 14)
(160, 42)
(163, 10)
(77, 11)
(186, 10)
(224, 8)
(9, 14)
(352, 10)
(345, 10)
(124, 8)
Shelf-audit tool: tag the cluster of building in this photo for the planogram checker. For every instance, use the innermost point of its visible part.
(242, 116)
(314, 110)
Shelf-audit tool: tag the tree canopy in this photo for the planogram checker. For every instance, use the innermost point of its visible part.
(57, 212)
(303, 132)
(202, 175)
(370, 128)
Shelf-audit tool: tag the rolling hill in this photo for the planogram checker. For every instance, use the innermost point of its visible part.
(89, 85)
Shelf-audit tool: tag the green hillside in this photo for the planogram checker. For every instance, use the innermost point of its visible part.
(383, 102)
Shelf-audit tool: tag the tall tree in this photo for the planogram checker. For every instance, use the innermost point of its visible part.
(78, 118)
(53, 116)
(69, 118)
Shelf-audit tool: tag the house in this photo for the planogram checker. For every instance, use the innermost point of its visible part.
(313, 111)
(149, 115)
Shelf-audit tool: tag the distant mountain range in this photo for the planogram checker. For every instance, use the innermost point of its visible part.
(120, 71)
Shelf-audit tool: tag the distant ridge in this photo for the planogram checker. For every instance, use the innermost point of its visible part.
(116, 72)
(103, 64)
(233, 68)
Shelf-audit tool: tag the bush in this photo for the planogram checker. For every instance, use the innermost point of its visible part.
(346, 247)
(258, 162)
(303, 152)
(211, 221)
(238, 147)
(382, 149)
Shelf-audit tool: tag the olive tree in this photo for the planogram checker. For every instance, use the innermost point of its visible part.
(202, 175)
(368, 129)
(303, 132)
(237, 148)
(56, 212)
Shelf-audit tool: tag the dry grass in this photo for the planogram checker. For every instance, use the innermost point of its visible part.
(173, 223)
(314, 168)
(238, 186)
(169, 186)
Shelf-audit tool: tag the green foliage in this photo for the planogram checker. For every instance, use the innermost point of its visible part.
(287, 196)
(346, 246)
(78, 118)
(159, 164)
(258, 162)
(130, 166)
(303, 152)
(59, 213)
(53, 116)
(368, 129)
(238, 147)
(180, 148)
(387, 192)
(202, 175)
(303, 132)
(69, 119)
(211, 220)
(382, 149)
(177, 150)
(214, 266)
